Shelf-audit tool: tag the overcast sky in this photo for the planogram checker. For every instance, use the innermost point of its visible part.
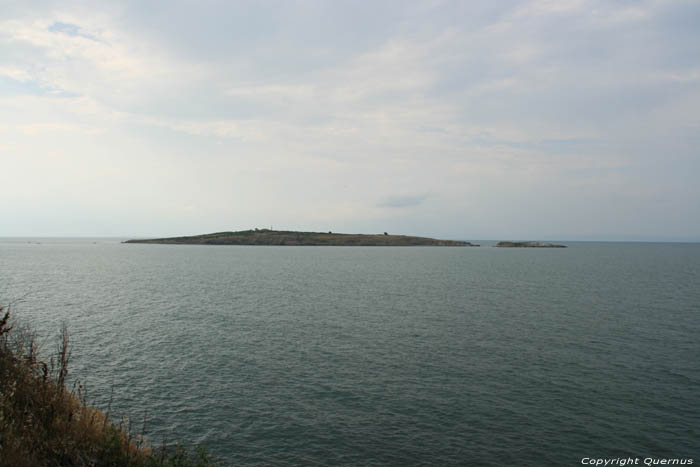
(558, 119)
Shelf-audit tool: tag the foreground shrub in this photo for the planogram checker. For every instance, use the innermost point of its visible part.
(43, 424)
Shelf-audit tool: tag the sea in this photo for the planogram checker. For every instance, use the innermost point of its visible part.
(364, 356)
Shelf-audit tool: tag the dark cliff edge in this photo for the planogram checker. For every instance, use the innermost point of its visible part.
(281, 237)
(528, 245)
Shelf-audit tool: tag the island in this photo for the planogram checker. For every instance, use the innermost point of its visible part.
(528, 245)
(284, 237)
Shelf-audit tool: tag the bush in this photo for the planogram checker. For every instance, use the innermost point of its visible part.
(43, 424)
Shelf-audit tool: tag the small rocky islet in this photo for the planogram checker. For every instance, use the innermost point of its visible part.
(528, 245)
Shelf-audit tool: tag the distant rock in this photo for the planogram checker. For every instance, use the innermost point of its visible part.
(528, 245)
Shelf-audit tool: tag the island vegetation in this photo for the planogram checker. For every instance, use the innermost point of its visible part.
(42, 423)
(284, 237)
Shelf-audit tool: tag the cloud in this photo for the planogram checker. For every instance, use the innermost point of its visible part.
(403, 201)
(553, 103)
(548, 7)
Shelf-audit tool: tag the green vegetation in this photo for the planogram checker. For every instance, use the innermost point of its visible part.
(44, 424)
(284, 237)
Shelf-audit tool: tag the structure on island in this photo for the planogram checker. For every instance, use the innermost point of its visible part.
(284, 237)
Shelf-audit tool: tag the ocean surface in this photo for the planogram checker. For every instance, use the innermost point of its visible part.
(379, 355)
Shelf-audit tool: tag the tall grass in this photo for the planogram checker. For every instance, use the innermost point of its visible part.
(42, 423)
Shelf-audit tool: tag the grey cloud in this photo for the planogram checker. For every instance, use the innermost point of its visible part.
(484, 105)
(403, 201)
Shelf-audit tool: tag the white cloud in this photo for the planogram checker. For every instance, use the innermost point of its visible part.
(16, 73)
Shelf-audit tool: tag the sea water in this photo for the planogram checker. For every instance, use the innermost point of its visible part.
(379, 355)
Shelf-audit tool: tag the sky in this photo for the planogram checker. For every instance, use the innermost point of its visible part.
(531, 120)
